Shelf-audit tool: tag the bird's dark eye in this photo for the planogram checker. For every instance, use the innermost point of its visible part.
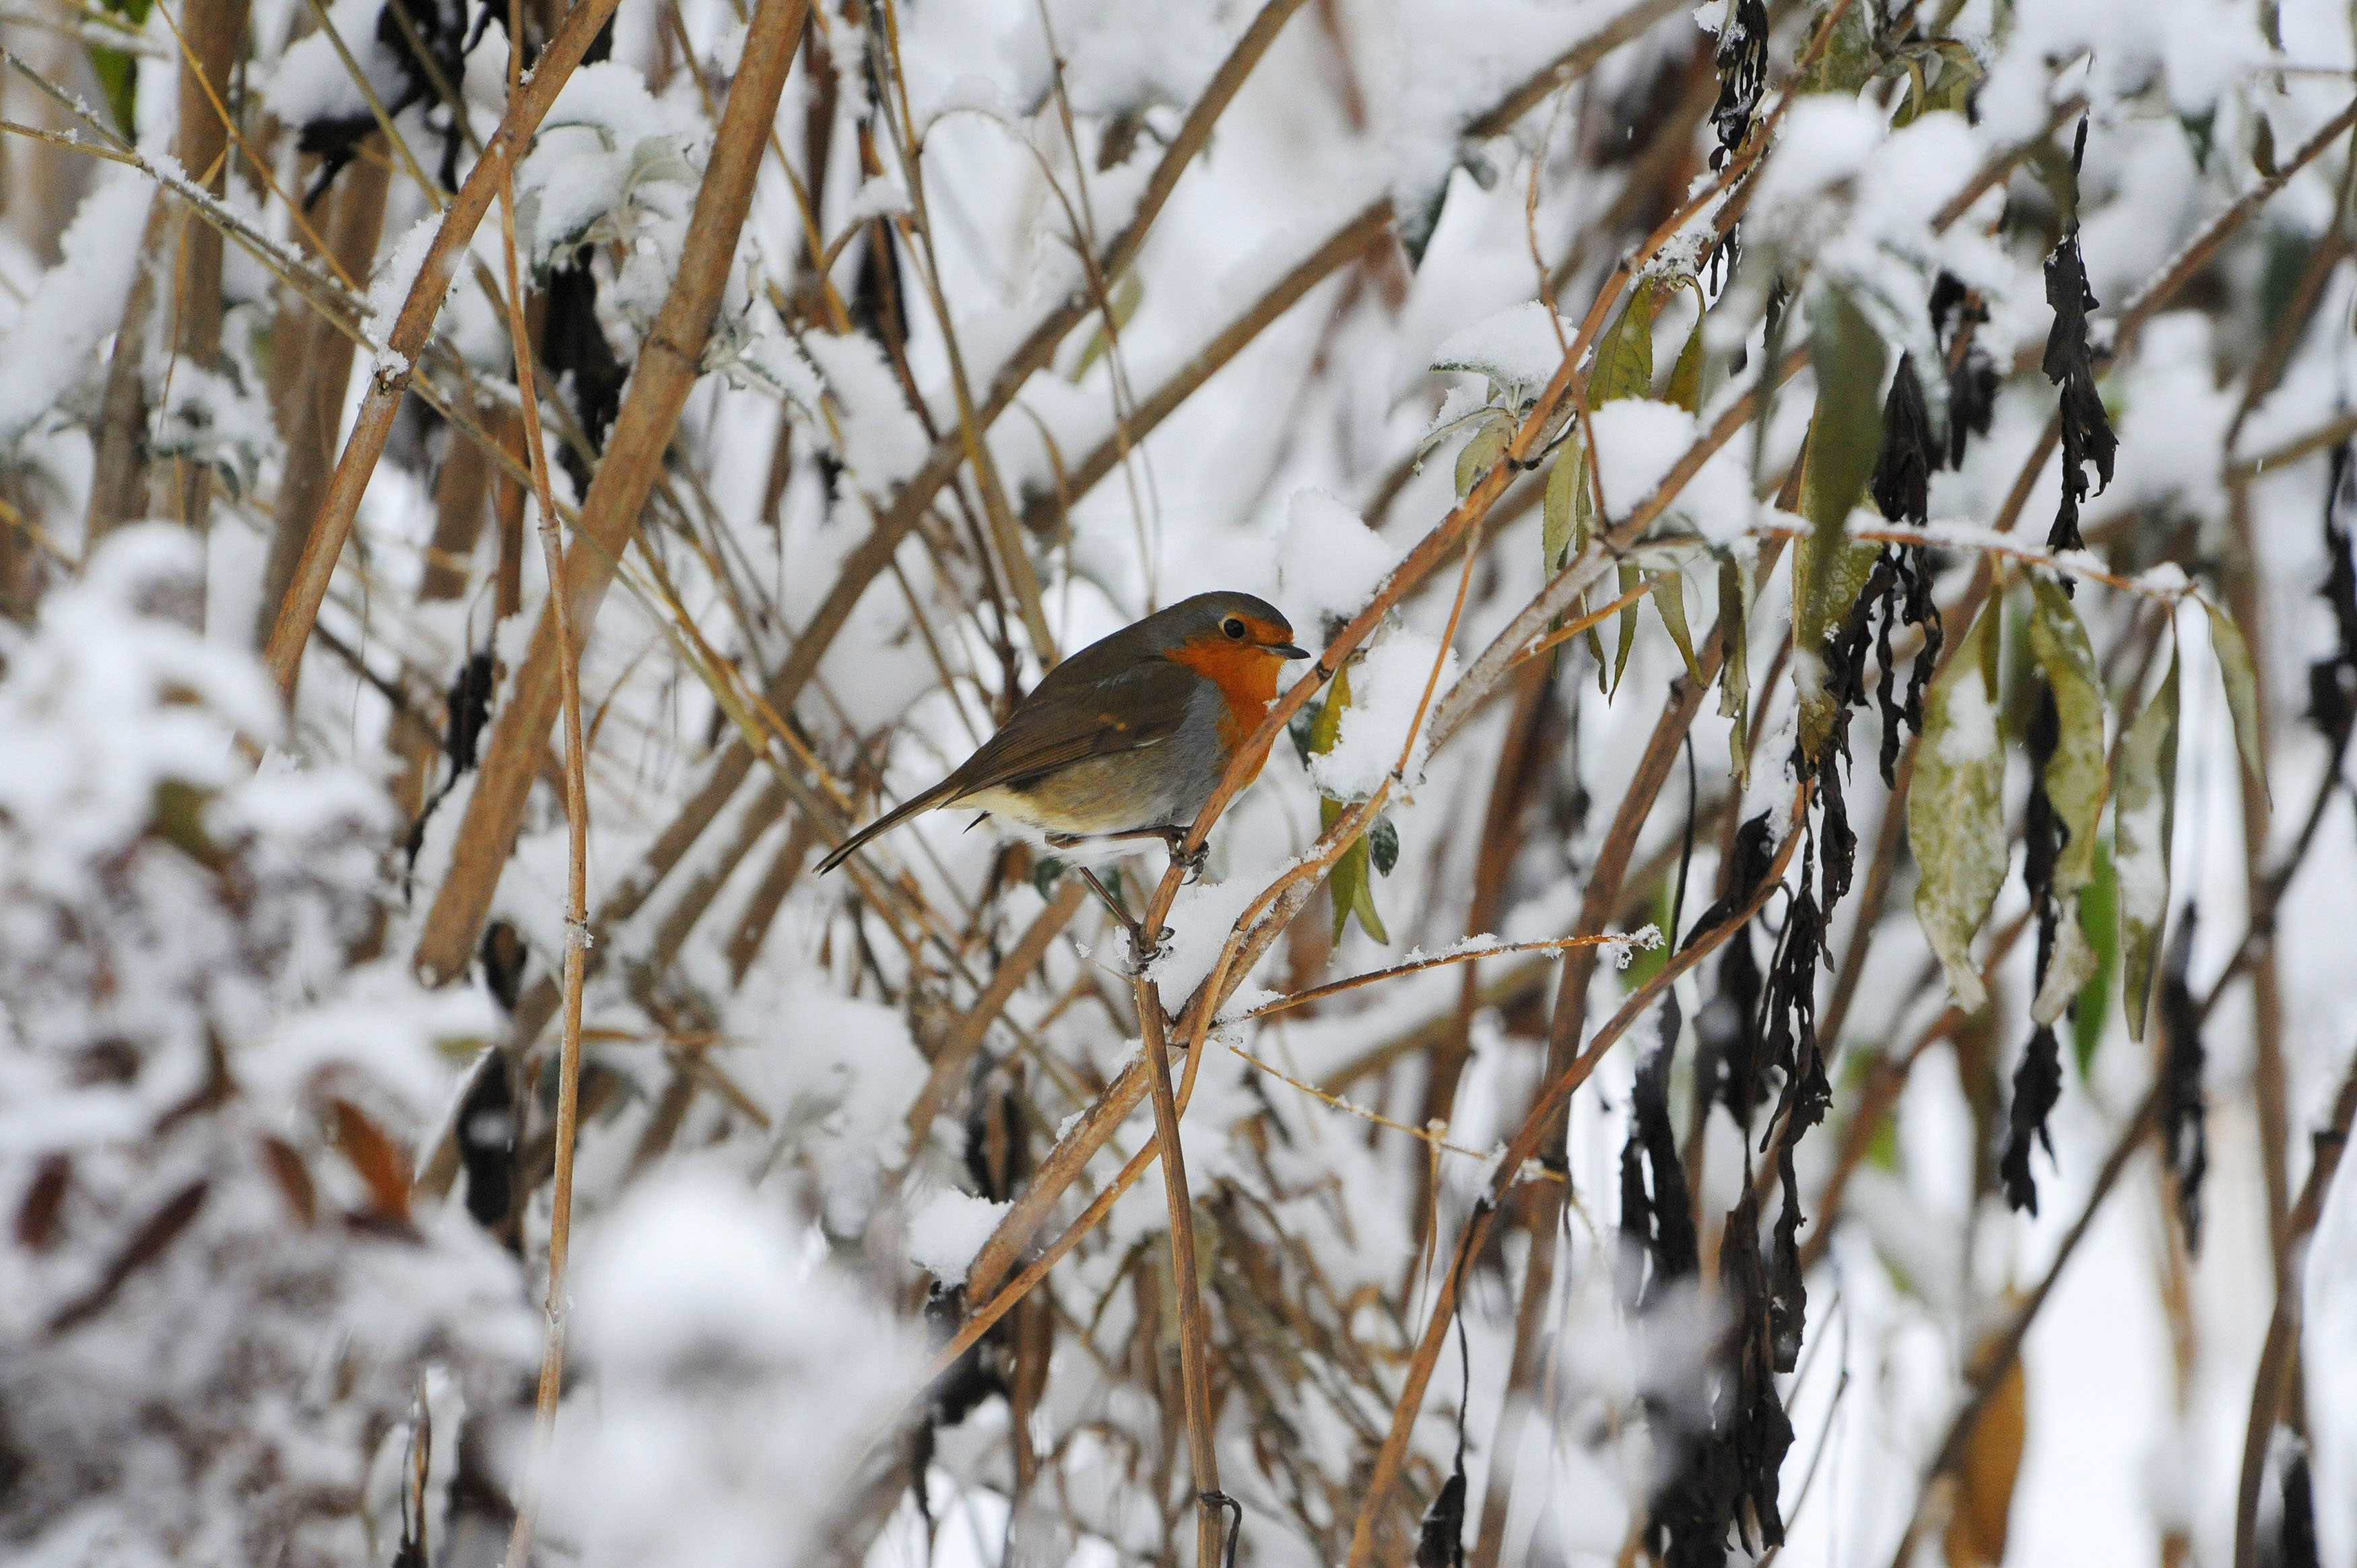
(1234, 627)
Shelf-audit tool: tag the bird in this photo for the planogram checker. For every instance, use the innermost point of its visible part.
(1128, 738)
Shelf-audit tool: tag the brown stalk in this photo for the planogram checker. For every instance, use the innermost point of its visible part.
(576, 859)
(965, 1035)
(2279, 1352)
(1568, 67)
(308, 586)
(214, 32)
(659, 387)
(1525, 1144)
(1344, 246)
(313, 406)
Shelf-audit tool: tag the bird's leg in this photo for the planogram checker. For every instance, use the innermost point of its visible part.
(1143, 950)
(1174, 839)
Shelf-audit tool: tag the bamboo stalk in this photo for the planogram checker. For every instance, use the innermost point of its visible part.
(659, 387)
(373, 426)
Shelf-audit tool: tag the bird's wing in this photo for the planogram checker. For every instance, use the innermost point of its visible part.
(1061, 723)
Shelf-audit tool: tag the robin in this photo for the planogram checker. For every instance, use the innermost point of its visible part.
(1128, 738)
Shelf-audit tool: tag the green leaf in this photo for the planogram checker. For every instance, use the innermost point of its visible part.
(1481, 453)
(1844, 440)
(1670, 600)
(1827, 606)
(1685, 376)
(1735, 663)
(1564, 485)
(1956, 818)
(2144, 815)
(1045, 873)
(1629, 575)
(1349, 884)
(2242, 689)
(2076, 777)
(1624, 356)
(1127, 294)
(2099, 921)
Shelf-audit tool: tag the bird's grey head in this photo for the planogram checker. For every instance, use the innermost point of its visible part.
(1244, 618)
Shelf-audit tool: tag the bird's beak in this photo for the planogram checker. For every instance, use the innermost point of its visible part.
(1286, 651)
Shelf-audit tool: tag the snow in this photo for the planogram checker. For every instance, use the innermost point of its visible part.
(1388, 688)
(54, 334)
(1329, 563)
(1638, 441)
(947, 1227)
(723, 1342)
(1519, 348)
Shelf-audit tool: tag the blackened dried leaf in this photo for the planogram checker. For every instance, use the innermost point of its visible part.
(1901, 485)
(1668, 1236)
(2087, 436)
(2037, 1084)
(486, 1135)
(1748, 866)
(1441, 1543)
(503, 959)
(1742, 61)
(2184, 1128)
(1791, 1010)
(574, 347)
(1788, 1292)
(468, 705)
(2333, 680)
(2296, 1538)
(1729, 1059)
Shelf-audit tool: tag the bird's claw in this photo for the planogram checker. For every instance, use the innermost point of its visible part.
(1144, 949)
(1192, 865)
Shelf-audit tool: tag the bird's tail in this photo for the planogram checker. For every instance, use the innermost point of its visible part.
(939, 794)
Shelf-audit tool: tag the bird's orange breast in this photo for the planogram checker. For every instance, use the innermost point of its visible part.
(1247, 677)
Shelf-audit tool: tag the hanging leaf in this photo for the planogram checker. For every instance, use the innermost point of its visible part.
(1670, 600)
(2099, 922)
(1735, 663)
(1382, 846)
(1565, 483)
(1126, 294)
(1630, 576)
(2075, 778)
(1351, 883)
(1624, 354)
(1685, 375)
(1481, 453)
(2143, 813)
(1845, 439)
(2242, 689)
(1955, 822)
(1987, 1473)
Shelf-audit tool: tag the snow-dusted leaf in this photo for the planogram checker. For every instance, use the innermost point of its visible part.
(1481, 454)
(1351, 883)
(1624, 356)
(1735, 660)
(2144, 814)
(1685, 376)
(2242, 682)
(1565, 484)
(1955, 820)
(1670, 600)
(1629, 576)
(2075, 780)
